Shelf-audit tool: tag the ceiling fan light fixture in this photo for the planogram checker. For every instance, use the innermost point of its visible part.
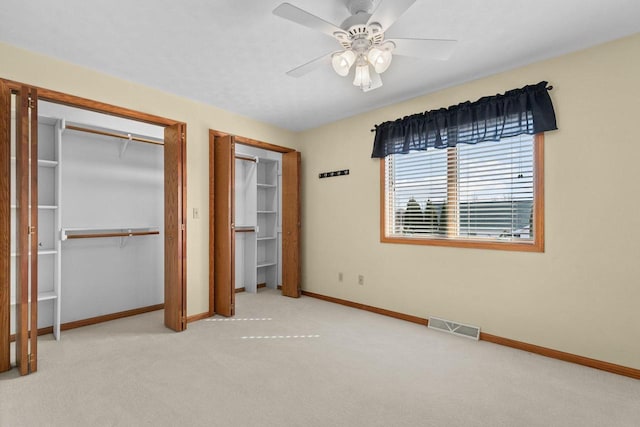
(342, 62)
(362, 78)
(380, 57)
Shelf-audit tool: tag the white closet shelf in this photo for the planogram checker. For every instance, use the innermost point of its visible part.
(42, 296)
(44, 207)
(42, 162)
(45, 296)
(266, 185)
(40, 252)
(47, 163)
(267, 238)
(267, 212)
(262, 264)
(97, 232)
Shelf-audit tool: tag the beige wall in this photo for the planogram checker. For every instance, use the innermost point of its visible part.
(27, 67)
(581, 296)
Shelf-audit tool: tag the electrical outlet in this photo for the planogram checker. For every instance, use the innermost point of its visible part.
(360, 279)
(196, 213)
(340, 277)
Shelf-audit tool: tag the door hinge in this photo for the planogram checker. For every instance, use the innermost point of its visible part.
(31, 103)
(31, 229)
(183, 227)
(29, 360)
(183, 136)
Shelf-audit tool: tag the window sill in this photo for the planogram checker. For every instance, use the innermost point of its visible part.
(469, 244)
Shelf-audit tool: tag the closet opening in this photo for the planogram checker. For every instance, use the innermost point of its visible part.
(254, 221)
(258, 219)
(93, 200)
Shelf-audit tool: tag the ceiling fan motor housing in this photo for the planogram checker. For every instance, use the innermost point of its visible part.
(359, 6)
(360, 37)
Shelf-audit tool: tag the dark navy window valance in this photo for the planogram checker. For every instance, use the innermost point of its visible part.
(520, 111)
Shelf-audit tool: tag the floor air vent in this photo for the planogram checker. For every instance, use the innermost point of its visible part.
(468, 331)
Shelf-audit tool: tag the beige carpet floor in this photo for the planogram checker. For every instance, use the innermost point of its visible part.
(287, 362)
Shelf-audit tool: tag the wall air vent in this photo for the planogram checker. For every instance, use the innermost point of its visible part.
(467, 331)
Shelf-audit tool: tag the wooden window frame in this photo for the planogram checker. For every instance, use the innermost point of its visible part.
(538, 213)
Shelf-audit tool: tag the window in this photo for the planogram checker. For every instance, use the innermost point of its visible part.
(469, 175)
(485, 195)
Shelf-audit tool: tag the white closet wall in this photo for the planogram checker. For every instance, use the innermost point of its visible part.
(245, 224)
(102, 189)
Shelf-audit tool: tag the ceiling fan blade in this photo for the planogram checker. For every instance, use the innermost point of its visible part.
(440, 49)
(388, 12)
(310, 66)
(299, 16)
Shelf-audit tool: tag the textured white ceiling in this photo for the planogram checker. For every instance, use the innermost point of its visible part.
(234, 53)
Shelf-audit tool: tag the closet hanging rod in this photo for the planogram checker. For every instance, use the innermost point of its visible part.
(247, 158)
(113, 134)
(124, 234)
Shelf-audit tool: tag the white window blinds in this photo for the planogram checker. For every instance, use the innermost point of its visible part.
(472, 192)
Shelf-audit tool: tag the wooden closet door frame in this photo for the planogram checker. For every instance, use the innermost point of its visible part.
(5, 226)
(229, 267)
(177, 321)
(22, 232)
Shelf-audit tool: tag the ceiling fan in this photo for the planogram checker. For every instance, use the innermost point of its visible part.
(362, 37)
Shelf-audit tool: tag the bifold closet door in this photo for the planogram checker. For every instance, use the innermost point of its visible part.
(291, 224)
(5, 225)
(26, 209)
(175, 301)
(224, 218)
